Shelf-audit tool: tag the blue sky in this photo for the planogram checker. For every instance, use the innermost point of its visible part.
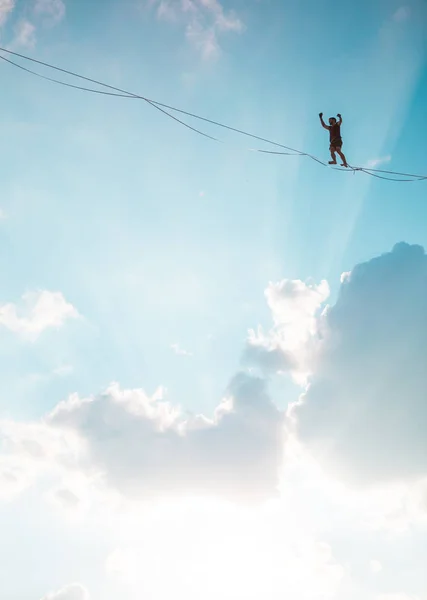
(134, 251)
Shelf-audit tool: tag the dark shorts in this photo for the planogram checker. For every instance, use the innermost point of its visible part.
(336, 143)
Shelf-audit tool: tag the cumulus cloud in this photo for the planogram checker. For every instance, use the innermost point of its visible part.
(365, 410)
(375, 566)
(63, 370)
(25, 34)
(266, 352)
(6, 7)
(289, 345)
(264, 556)
(53, 11)
(362, 414)
(144, 447)
(180, 351)
(66, 498)
(28, 450)
(48, 12)
(15, 476)
(41, 310)
(75, 591)
(397, 596)
(205, 21)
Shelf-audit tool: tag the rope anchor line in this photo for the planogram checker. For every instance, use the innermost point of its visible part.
(164, 108)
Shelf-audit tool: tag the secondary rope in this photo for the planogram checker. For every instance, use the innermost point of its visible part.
(125, 94)
(118, 92)
(122, 95)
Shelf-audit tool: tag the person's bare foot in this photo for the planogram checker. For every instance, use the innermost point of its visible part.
(332, 162)
(344, 165)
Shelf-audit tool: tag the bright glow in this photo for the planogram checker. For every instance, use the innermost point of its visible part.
(185, 548)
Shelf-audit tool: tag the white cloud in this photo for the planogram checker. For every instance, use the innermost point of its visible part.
(52, 10)
(30, 450)
(41, 310)
(15, 476)
(25, 34)
(131, 446)
(360, 416)
(144, 447)
(363, 412)
(294, 303)
(290, 344)
(66, 498)
(266, 352)
(205, 21)
(205, 40)
(242, 554)
(6, 7)
(27, 450)
(63, 370)
(180, 351)
(75, 591)
(376, 162)
(396, 597)
(375, 566)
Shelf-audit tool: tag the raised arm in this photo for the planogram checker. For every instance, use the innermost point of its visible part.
(322, 121)
(339, 119)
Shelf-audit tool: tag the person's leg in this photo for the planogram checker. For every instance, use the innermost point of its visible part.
(341, 155)
(343, 158)
(334, 158)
